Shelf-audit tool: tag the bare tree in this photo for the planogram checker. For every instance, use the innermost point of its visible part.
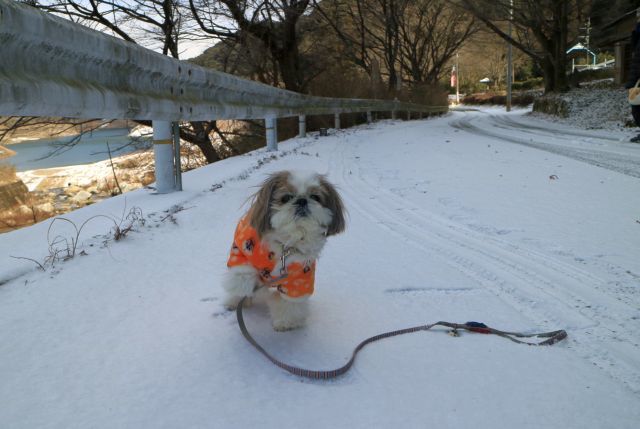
(160, 24)
(151, 21)
(431, 33)
(412, 40)
(369, 31)
(274, 23)
(542, 30)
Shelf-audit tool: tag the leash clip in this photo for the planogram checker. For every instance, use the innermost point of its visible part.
(478, 327)
(286, 251)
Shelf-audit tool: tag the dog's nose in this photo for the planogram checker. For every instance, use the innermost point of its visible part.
(301, 202)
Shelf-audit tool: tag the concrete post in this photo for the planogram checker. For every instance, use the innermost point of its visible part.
(336, 120)
(369, 117)
(163, 156)
(271, 124)
(176, 156)
(302, 126)
(620, 73)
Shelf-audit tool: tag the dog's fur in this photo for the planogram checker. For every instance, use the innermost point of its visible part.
(297, 210)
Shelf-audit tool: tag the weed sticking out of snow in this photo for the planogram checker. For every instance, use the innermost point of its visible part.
(62, 243)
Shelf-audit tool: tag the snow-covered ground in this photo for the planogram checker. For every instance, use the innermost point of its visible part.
(478, 215)
(597, 106)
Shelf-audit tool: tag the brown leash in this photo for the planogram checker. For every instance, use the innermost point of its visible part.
(551, 338)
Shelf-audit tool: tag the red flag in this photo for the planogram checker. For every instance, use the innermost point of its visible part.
(454, 77)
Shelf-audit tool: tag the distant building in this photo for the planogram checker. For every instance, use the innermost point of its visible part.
(616, 36)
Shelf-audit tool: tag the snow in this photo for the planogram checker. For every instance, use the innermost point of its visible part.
(506, 219)
(599, 105)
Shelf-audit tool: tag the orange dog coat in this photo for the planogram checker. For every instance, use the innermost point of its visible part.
(294, 280)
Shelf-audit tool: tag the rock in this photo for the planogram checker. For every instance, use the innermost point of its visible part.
(12, 194)
(551, 105)
(45, 210)
(128, 187)
(148, 177)
(72, 190)
(85, 182)
(23, 210)
(81, 197)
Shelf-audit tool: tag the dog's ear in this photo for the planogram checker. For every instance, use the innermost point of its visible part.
(260, 211)
(334, 203)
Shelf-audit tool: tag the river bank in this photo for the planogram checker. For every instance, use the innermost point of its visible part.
(32, 196)
(6, 153)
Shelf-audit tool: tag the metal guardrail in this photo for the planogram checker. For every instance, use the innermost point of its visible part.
(50, 66)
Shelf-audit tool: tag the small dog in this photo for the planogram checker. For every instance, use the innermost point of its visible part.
(277, 242)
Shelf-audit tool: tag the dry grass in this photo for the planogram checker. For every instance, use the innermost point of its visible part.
(7, 174)
(34, 208)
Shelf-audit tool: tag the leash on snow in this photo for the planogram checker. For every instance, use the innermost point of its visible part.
(477, 327)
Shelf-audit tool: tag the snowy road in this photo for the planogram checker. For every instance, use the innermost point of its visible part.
(520, 275)
(596, 147)
(448, 220)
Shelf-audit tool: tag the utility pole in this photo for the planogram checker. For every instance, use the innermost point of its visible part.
(587, 39)
(509, 61)
(457, 81)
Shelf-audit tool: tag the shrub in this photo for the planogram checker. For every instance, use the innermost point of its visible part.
(552, 106)
(536, 82)
(523, 99)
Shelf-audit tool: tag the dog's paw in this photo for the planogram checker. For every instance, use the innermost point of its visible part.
(231, 302)
(240, 280)
(284, 326)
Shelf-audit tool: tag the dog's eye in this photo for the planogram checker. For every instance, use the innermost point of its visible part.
(315, 197)
(286, 198)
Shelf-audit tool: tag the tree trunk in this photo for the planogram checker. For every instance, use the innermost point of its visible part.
(288, 60)
(549, 74)
(200, 138)
(554, 64)
(561, 80)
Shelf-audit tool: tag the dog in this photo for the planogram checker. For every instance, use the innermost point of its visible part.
(277, 243)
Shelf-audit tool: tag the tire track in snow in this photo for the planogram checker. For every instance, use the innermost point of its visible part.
(627, 163)
(532, 283)
(508, 122)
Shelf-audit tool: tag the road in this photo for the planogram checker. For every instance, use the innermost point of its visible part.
(596, 148)
(452, 218)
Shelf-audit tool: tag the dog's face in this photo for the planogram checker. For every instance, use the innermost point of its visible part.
(291, 198)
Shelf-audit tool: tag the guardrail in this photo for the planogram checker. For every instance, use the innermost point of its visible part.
(50, 66)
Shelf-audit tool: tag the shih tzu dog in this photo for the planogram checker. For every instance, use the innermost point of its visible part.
(277, 242)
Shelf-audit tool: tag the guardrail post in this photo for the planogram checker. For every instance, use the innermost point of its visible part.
(163, 157)
(302, 125)
(176, 156)
(369, 117)
(336, 120)
(271, 126)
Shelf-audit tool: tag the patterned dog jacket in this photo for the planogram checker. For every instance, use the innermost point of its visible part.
(293, 280)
